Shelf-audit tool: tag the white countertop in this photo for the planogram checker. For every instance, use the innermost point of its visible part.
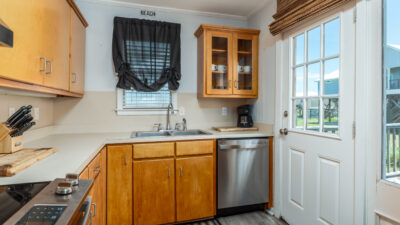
(75, 151)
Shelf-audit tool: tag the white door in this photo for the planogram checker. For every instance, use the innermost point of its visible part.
(317, 73)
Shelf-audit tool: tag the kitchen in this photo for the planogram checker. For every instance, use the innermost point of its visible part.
(151, 112)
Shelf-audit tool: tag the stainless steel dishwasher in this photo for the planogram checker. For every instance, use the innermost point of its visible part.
(243, 173)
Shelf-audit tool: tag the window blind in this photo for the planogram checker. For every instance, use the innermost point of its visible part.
(291, 13)
(151, 67)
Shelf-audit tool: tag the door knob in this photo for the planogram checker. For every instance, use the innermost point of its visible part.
(284, 131)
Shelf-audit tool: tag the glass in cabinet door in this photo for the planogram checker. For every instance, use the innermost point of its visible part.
(244, 74)
(219, 66)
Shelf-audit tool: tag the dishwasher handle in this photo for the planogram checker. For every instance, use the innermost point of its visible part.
(245, 146)
(86, 209)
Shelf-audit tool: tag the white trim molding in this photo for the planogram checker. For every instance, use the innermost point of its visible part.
(166, 9)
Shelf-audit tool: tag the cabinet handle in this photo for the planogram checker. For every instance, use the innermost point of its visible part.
(44, 64)
(94, 204)
(181, 171)
(51, 66)
(73, 77)
(125, 160)
(236, 84)
(169, 172)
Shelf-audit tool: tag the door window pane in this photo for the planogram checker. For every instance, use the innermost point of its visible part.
(298, 112)
(313, 79)
(313, 114)
(299, 49)
(331, 115)
(314, 44)
(299, 81)
(331, 77)
(332, 37)
(391, 92)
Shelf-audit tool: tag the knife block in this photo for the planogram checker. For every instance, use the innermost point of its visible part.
(9, 144)
(4, 131)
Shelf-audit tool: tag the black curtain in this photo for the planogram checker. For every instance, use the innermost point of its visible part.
(146, 54)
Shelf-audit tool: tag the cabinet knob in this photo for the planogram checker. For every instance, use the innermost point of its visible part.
(181, 171)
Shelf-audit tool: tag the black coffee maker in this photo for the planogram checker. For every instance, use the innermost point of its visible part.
(244, 119)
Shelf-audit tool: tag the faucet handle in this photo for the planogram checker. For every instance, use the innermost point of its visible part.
(157, 126)
(184, 124)
(178, 126)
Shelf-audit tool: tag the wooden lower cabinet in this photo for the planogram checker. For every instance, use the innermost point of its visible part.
(161, 183)
(195, 188)
(154, 192)
(119, 184)
(98, 173)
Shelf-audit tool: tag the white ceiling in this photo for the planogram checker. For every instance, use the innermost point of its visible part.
(242, 8)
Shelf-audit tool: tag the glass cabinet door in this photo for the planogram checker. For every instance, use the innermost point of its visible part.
(245, 66)
(219, 71)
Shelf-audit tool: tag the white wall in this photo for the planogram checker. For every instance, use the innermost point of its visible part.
(99, 67)
(264, 107)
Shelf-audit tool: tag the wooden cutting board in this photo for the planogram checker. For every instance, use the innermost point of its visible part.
(235, 129)
(11, 164)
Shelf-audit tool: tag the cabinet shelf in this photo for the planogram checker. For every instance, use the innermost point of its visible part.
(219, 72)
(219, 51)
(244, 73)
(244, 52)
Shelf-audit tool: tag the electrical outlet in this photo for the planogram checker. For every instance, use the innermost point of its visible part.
(11, 111)
(36, 114)
(181, 111)
(224, 111)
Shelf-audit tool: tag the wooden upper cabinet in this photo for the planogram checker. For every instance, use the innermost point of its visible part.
(40, 57)
(77, 54)
(56, 48)
(227, 62)
(22, 62)
(195, 188)
(119, 184)
(154, 191)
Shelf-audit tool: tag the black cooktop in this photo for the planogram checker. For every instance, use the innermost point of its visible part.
(13, 197)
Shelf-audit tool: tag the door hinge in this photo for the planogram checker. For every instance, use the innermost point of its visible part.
(355, 14)
(354, 129)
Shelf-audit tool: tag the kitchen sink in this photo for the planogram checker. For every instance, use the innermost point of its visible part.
(167, 133)
(188, 132)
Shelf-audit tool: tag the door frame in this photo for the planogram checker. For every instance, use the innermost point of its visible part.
(381, 196)
(363, 204)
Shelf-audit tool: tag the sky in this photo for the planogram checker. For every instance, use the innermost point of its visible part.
(392, 22)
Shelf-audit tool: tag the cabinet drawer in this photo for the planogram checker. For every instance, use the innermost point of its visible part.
(153, 150)
(95, 167)
(195, 147)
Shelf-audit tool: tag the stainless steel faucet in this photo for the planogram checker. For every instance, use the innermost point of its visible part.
(169, 110)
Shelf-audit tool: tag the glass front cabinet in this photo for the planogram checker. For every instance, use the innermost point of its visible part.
(227, 62)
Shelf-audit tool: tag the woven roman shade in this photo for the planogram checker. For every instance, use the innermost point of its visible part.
(290, 13)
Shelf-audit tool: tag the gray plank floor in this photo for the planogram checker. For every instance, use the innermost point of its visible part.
(253, 218)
